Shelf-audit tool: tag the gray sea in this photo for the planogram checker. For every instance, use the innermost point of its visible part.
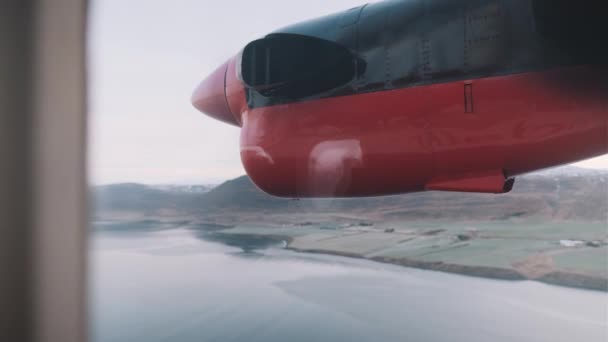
(151, 285)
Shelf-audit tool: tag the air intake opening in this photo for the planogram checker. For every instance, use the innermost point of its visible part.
(295, 66)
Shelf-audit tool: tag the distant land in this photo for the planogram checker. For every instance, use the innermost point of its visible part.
(562, 194)
(553, 227)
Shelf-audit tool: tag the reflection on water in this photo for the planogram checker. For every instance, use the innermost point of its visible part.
(175, 286)
(248, 243)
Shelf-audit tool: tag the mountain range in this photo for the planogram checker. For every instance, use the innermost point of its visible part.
(560, 194)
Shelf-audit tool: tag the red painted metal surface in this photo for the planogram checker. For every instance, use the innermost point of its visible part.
(335, 130)
(492, 181)
(404, 140)
(419, 138)
(210, 97)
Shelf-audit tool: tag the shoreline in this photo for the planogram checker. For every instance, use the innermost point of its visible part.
(557, 278)
(448, 254)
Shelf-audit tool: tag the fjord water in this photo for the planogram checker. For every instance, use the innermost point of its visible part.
(173, 285)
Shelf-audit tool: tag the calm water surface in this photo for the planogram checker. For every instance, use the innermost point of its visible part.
(174, 286)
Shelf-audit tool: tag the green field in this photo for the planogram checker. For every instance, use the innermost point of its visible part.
(530, 248)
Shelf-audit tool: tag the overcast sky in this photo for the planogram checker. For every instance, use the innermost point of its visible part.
(146, 57)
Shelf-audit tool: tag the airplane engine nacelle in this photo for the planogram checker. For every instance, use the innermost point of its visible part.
(398, 97)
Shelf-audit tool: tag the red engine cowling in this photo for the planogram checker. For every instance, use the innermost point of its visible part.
(351, 118)
(419, 138)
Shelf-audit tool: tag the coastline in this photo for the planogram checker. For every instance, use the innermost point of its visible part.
(490, 251)
(556, 277)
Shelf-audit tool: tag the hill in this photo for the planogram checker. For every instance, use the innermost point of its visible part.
(569, 194)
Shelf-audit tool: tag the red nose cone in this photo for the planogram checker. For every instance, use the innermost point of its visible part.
(210, 98)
